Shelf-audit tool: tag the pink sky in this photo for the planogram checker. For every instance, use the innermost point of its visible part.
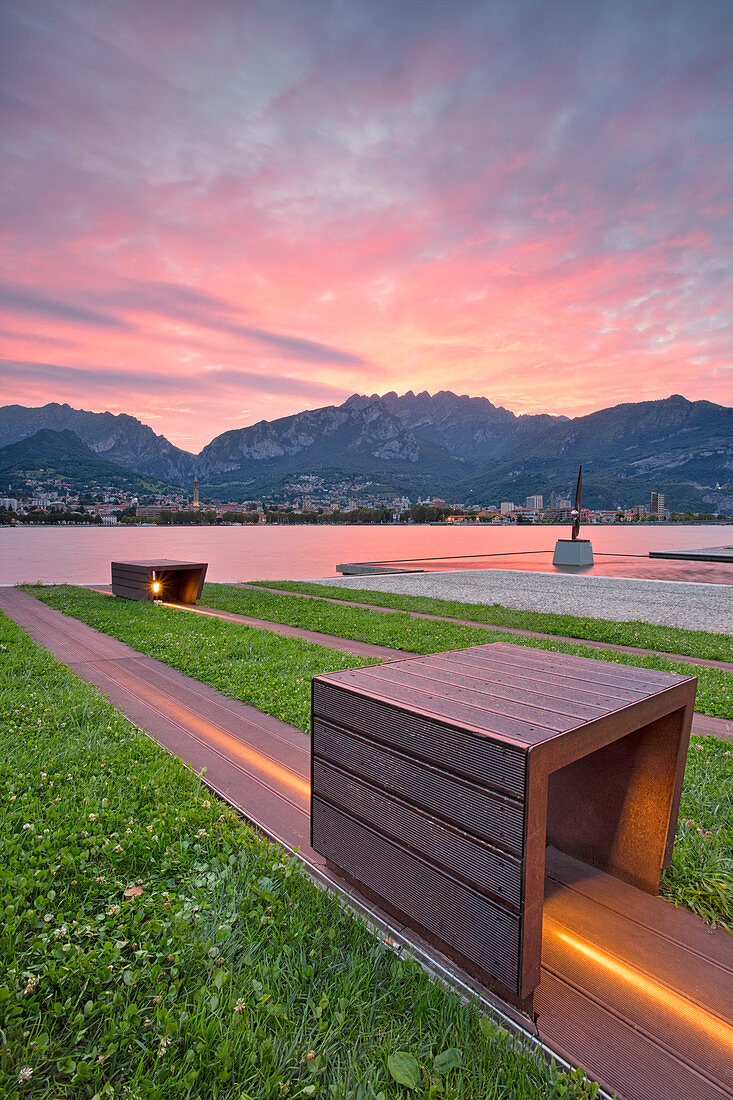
(217, 213)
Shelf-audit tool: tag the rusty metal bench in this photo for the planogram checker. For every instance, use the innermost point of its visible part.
(437, 783)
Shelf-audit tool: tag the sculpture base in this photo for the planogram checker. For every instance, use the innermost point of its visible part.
(573, 552)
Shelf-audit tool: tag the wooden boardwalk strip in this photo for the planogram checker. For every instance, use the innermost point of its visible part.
(634, 990)
(344, 645)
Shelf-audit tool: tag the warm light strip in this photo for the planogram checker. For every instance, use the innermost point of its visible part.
(690, 1012)
(198, 610)
(197, 723)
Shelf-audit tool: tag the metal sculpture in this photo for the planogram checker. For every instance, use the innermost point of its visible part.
(576, 510)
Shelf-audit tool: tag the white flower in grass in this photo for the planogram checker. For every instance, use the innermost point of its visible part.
(164, 1044)
(112, 910)
(31, 983)
(59, 933)
(25, 1074)
(240, 1005)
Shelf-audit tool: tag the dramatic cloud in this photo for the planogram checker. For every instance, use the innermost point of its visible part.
(293, 201)
(16, 300)
(85, 380)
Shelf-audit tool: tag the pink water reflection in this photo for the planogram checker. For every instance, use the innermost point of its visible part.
(79, 555)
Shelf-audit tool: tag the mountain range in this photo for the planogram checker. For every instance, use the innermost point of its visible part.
(48, 454)
(460, 447)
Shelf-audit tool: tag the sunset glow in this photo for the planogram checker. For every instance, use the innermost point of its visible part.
(216, 213)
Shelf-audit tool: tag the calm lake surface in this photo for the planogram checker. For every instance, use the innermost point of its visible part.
(81, 555)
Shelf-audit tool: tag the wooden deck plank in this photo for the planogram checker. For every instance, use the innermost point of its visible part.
(622, 936)
(595, 676)
(458, 801)
(188, 701)
(626, 1061)
(579, 669)
(546, 658)
(415, 677)
(675, 1025)
(673, 922)
(531, 682)
(534, 704)
(476, 719)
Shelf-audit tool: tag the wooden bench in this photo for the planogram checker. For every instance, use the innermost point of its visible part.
(437, 783)
(159, 579)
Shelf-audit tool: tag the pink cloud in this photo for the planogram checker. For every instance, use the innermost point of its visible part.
(527, 203)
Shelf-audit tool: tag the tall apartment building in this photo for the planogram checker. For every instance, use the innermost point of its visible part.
(506, 507)
(657, 505)
(533, 503)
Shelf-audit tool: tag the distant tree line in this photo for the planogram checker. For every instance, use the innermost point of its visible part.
(52, 518)
(358, 515)
(419, 513)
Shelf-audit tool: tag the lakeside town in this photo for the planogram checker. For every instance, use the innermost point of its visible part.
(50, 502)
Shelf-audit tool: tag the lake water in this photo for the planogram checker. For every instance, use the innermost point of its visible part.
(82, 555)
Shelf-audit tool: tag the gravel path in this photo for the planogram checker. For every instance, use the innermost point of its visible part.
(671, 603)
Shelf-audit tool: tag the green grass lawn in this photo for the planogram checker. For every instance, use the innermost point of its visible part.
(153, 947)
(714, 686)
(665, 639)
(273, 674)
